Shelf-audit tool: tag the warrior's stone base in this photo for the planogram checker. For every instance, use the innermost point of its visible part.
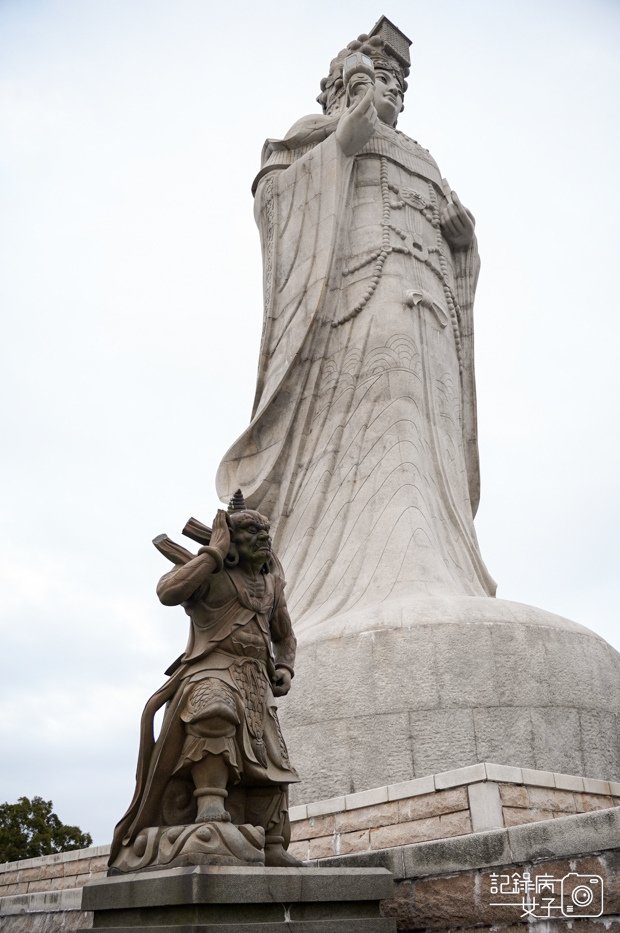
(246, 900)
(157, 847)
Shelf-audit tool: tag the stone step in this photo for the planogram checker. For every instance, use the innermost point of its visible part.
(370, 925)
(242, 899)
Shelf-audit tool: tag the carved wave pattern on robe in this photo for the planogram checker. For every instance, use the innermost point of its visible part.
(381, 464)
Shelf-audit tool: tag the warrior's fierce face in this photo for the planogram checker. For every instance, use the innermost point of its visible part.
(250, 534)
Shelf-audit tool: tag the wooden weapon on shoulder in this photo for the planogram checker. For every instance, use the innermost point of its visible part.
(176, 553)
(197, 531)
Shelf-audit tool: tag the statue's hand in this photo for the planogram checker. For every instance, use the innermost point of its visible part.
(457, 224)
(357, 124)
(220, 534)
(281, 682)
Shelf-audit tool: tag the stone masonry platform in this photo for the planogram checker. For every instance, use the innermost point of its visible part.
(467, 800)
(415, 687)
(242, 900)
(479, 880)
(444, 815)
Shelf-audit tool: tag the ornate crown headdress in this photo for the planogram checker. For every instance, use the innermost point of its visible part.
(237, 503)
(385, 44)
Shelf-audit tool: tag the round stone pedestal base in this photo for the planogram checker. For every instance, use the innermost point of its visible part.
(416, 688)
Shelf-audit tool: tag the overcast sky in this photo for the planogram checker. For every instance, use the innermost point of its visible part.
(130, 288)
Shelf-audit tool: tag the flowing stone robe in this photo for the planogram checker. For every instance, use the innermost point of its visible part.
(362, 446)
(362, 450)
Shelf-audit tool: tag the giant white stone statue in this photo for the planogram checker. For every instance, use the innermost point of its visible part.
(363, 449)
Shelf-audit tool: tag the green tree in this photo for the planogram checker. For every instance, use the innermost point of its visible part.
(30, 828)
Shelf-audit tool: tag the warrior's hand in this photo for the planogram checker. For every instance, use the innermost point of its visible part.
(220, 535)
(457, 224)
(357, 124)
(281, 682)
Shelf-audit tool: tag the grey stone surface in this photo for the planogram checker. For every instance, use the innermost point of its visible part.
(566, 674)
(599, 731)
(68, 922)
(58, 857)
(378, 744)
(331, 925)
(221, 885)
(342, 744)
(44, 911)
(505, 735)
(366, 798)
(315, 678)
(513, 649)
(458, 777)
(324, 748)
(298, 813)
(413, 788)
(461, 683)
(41, 902)
(350, 755)
(374, 655)
(442, 739)
(497, 772)
(439, 856)
(323, 807)
(485, 806)
(457, 854)
(538, 778)
(314, 900)
(566, 835)
(419, 684)
(592, 786)
(556, 734)
(390, 859)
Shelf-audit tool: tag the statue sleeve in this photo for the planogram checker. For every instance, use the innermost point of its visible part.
(301, 138)
(467, 267)
(301, 212)
(180, 584)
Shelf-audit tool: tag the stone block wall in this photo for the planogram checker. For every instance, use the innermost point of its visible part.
(53, 872)
(477, 798)
(469, 807)
(454, 884)
(522, 804)
(379, 826)
(468, 900)
(43, 895)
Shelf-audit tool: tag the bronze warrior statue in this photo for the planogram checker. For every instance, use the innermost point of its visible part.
(217, 777)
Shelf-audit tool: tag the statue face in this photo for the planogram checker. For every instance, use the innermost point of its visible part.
(388, 96)
(251, 536)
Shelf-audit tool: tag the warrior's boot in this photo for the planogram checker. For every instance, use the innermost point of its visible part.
(276, 855)
(210, 777)
(267, 806)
